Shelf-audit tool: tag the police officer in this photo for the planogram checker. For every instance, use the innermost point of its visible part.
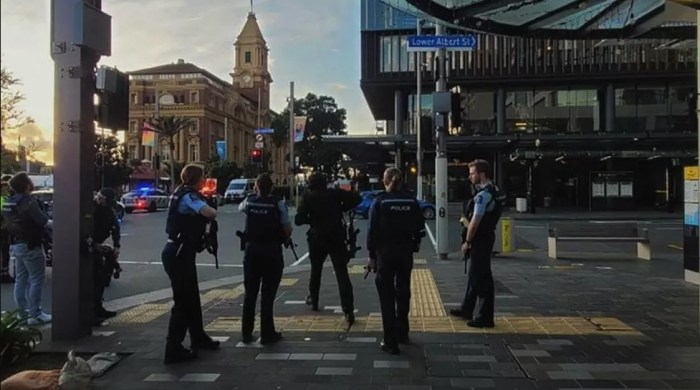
(477, 241)
(323, 209)
(396, 227)
(105, 224)
(25, 224)
(267, 227)
(185, 227)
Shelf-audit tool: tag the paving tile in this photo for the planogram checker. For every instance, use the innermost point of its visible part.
(272, 356)
(530, 352)
(306, 356)
(334, 371)
(161, 378)
(339, 356)
(103, 333)
(391, 364)
(199, 377)
(630, 367)
(472, 383)
(410, 387)
(569, 375)
(221, 339)
(554, 342)
(476, 358)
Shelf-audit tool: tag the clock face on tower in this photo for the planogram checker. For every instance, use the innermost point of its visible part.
(247, 80)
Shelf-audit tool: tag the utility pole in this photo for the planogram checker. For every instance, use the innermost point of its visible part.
(80, 34)
(441, 155)
(155, 160)
(291, 141)
(417, 101)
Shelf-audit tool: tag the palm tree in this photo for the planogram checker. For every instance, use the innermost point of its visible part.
(175, 167)
(169, 127)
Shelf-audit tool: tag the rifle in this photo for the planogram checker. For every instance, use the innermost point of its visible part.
(211, 237)
(289, 244)
(243, 238)
(465, 258)
(351, 239)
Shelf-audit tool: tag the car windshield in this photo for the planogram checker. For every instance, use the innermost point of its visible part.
(236, 186)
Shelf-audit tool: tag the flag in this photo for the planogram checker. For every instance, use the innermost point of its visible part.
(299, 128)
(148, 138)
(148, 126)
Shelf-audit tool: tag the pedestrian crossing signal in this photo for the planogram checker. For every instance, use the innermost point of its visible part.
(256, 156)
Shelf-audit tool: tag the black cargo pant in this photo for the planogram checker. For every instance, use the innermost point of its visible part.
(318, 252)
(481, 293)
(186, 314)
(262, 271)
(393, 281)
(101, 274)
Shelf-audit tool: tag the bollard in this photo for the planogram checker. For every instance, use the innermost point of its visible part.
(507, 235)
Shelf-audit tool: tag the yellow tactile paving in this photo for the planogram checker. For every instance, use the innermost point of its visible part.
(373, 323)
(142, 314)
(287, 282)
(425, 297)
(222, 293)
(356, 269)
(420, 261)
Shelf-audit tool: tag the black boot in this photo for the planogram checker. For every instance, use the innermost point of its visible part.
(205, 342)
(272, 338)
(178, 353)
(309, 301)
(392, 348)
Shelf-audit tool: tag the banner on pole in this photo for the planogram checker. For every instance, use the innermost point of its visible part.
(299, 128)
(221, 150)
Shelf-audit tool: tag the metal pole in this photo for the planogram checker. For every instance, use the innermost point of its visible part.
(102, 163)
(225, 139)
(154, 157)
(74, 135)
(291, 141)
(441, 157)
(417, 101)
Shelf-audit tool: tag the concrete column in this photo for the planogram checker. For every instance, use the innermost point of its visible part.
(501, 111)
(398, 112)
(610, 108)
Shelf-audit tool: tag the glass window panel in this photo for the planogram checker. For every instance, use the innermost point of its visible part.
(478, 113)
(395, 50)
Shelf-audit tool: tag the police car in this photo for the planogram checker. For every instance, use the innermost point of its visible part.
(145, 199)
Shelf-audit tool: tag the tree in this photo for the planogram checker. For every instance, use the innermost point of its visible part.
(175, 168)
(223, 172)
(9, 162)
(323, 118)
(169, 127)
(11, 116)
(112, 162)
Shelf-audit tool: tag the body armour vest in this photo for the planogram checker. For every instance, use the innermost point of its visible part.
(185, 228)
(262, 224)
(398, 213)
(490, 220)
(18, 223)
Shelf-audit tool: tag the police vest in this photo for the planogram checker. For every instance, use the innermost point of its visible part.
(490, 220)
(262, 224)
(185, 228)
(18, 223)
(398, 216)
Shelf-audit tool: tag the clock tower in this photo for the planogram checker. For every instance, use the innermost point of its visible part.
(250, 74)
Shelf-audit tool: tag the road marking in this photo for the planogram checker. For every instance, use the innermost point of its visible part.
(430, 234)
(198, 264)
(674, 246)
(302, 258)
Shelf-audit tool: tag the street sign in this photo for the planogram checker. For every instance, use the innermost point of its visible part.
(259, 137)
(259, 145)
(264, 131)
(434, 42)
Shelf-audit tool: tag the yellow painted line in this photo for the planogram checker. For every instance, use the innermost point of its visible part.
(420, 261)
(142, 314)
(524, 250)
(288, 282)
(680, 248)
(504, 325)
(425, 297)
(356, 269)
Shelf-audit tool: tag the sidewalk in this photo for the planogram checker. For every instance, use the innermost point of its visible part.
(593, 324)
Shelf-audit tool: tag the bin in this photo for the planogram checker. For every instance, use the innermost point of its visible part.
(521, 205)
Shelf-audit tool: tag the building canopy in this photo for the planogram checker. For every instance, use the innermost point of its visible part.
(560, 19)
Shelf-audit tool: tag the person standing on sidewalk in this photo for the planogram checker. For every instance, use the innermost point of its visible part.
(25, 223)
(477, 242)
(396, 227)
(104, 225)
(322, 209)
(5, 276)
(185, 227)
(267, 227)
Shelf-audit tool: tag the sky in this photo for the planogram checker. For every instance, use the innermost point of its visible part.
(315, 43)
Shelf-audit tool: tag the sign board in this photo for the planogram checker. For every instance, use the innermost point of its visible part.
(259, 137)
(221, 149)
(259, 145)
(434, 42)
(264, 131)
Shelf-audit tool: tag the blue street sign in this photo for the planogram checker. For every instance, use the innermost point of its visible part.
(221, 149)
(434, 42)
(264, 131)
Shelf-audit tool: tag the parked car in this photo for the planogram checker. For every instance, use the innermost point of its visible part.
(145, 199)
(362, 209)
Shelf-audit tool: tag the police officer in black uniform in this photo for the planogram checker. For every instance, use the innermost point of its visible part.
(267, 227)
(187, 219)
(105, 224)
(477, 241)
(396, 227)
(323, 209)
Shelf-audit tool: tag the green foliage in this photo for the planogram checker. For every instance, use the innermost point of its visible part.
(323, 118)
(223, 172)
(8, 161)
(17, 341)
(117, 166)
(169, 127)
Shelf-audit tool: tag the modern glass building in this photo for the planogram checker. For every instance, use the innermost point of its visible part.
(576, 119)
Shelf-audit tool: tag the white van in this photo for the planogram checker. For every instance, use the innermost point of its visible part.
(238, 189)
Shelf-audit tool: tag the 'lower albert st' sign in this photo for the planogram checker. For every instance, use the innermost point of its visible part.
(434, 42)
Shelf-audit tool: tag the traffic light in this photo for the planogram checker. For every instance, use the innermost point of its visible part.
(455, 110)
(256, 156)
